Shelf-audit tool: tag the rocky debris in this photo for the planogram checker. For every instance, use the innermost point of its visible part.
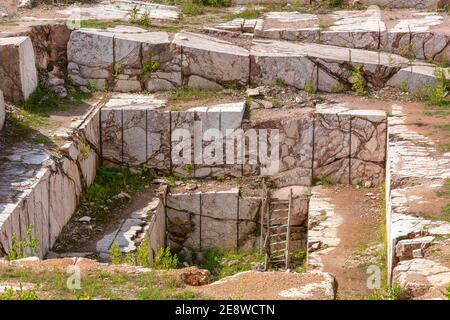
(85, 219)
(159, 181)
(412, 248)
(323, 225)
(2, 111)
(193, 276)
(418, 277)
(24, 4)
(18, 75)
(273, 285)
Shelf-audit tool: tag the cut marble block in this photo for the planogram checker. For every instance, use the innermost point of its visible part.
(158, 47)
(417, 4)
(275, 60)
(208, 62)
(2, 111)
(158, 140)
(183, 220)
(354, 29)
(416, 78)
(349, 145)
(139, 50)
(332, 144)
(18, 75)
(182, 142)
(368, 145)
(112, 134)
(336, 66)
(293, 26)
(124, 128)
(134, 135)
(219, 222)
(322, 67)
(90, 53)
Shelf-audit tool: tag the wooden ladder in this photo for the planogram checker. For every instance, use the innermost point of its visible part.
(277, 231)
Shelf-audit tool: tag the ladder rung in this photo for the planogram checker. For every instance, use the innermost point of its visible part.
(280, 210)
(279, 250)
(279, 202)
(281, 218)
(276, 243)
(280, 226)
(279, 260)
(277, 234)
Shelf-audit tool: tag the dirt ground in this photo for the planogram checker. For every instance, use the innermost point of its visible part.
(359, 230)
(263, 286)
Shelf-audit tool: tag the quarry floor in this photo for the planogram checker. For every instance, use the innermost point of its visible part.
(357, 209)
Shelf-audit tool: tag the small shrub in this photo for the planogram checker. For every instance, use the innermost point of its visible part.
(18, 294)
(25, 248)
(213, 3)
(334, 3)
(148, 67)
(404, 86)
(41, 140)
(188, 169)
(191, 9)
(309, 86)
(133, 14)
(357, 80)
(164, 259)
(223, 263)
(393, 292)
(327, 181)
(114, 253)
(145, 20)
(436, 94)
(92, 87)
(142, 253)
(280, 82)
(116, 71)
(276, 102)
(248, 109)
(323, 25)
(85, 150)
(407, 50)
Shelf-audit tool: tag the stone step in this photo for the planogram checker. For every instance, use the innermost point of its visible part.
(210, 63)
(409, 33)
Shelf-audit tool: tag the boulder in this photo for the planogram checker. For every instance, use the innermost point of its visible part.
(193, 276)
(415, 78)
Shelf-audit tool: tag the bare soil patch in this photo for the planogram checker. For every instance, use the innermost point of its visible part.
(358, 209)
